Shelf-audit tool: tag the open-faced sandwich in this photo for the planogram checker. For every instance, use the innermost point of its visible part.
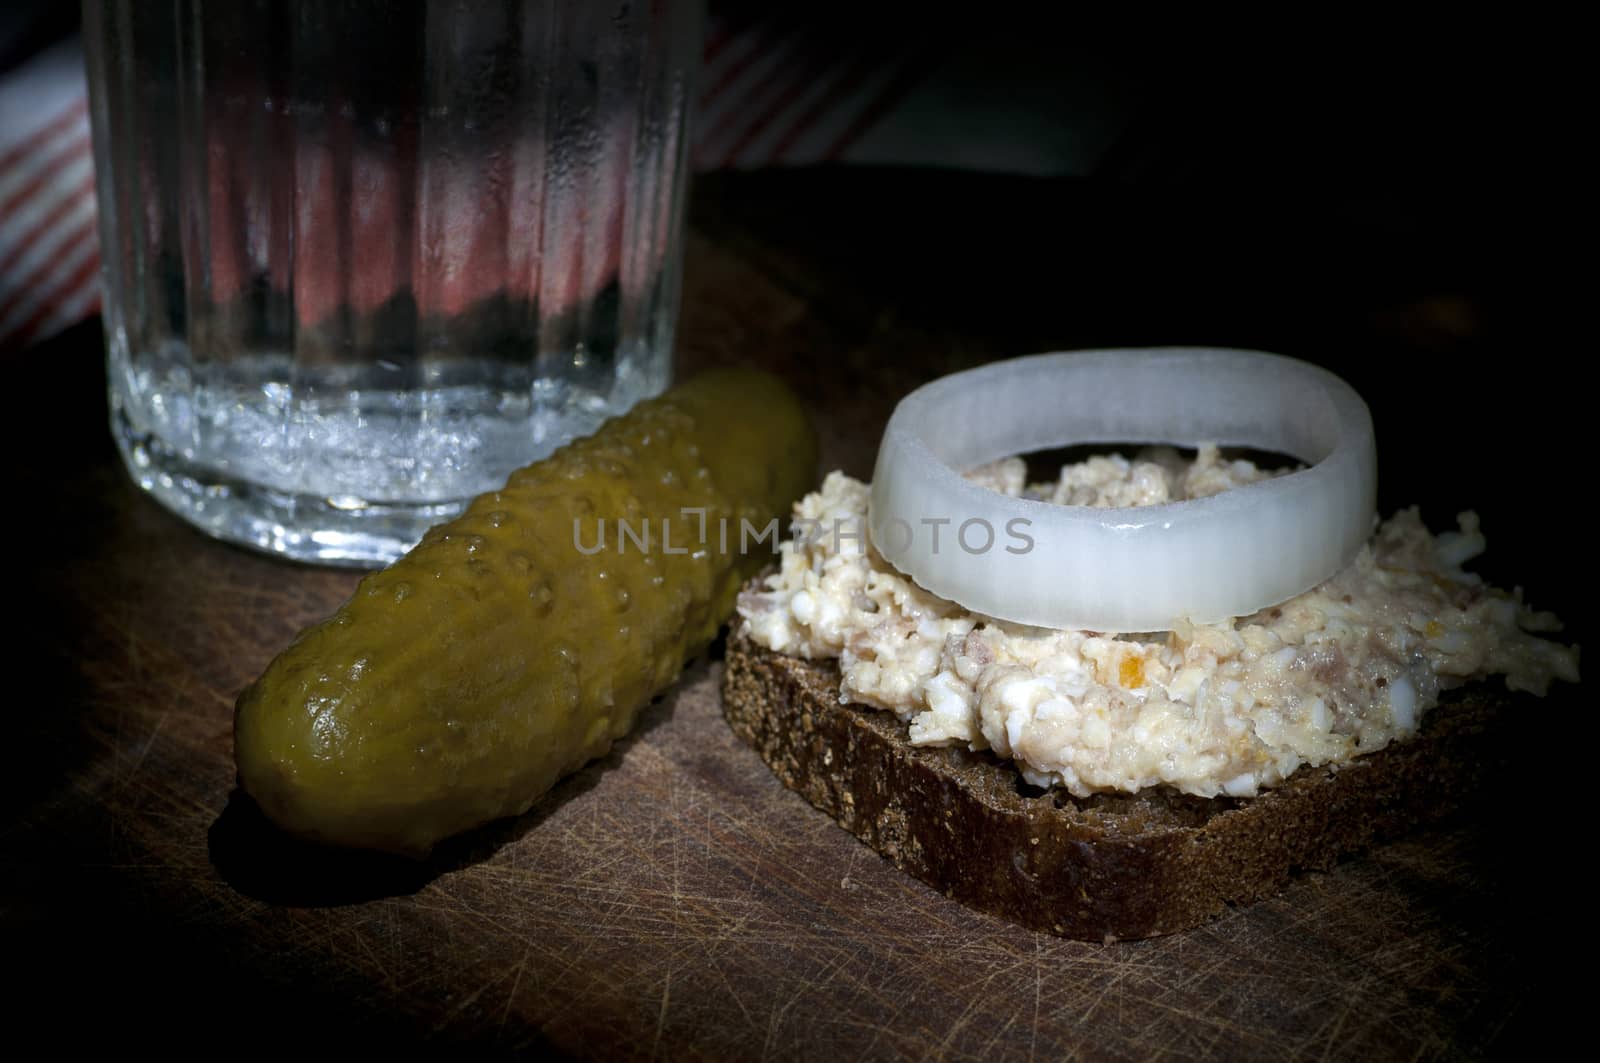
(1110, 705)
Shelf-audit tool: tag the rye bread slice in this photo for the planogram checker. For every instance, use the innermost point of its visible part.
(1103, 868)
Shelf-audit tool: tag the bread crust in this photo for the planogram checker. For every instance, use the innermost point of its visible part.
(1103, 868)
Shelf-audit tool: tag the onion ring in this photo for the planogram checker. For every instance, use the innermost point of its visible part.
(1135, 569)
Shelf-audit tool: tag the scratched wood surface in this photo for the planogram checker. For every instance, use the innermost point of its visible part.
(673, 900)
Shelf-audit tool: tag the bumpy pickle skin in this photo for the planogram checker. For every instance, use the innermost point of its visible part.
(460, 683)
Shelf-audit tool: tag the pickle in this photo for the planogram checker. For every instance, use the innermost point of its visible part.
(518, 641)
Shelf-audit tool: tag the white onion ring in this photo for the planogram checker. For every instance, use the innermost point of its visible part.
(1133, 569)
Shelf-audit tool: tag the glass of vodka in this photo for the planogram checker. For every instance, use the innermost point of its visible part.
(363, 258)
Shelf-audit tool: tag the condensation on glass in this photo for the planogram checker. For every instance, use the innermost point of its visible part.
(363, 258)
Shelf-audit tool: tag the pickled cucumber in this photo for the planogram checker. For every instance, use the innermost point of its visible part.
(518, 641)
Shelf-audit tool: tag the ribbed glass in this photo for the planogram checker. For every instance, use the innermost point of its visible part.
(363, 258)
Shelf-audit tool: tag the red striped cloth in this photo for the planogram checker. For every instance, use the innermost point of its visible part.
(49, 254)
(772, 93)
(777, 95)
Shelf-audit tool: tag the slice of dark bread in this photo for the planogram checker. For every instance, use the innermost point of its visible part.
(1102, 868)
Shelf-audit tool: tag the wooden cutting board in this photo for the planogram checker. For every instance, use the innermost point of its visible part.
(672, 899)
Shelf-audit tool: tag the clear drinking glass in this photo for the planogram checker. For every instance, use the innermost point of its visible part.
(363, 258)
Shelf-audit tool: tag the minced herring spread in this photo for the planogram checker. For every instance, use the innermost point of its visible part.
(1225, 708)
